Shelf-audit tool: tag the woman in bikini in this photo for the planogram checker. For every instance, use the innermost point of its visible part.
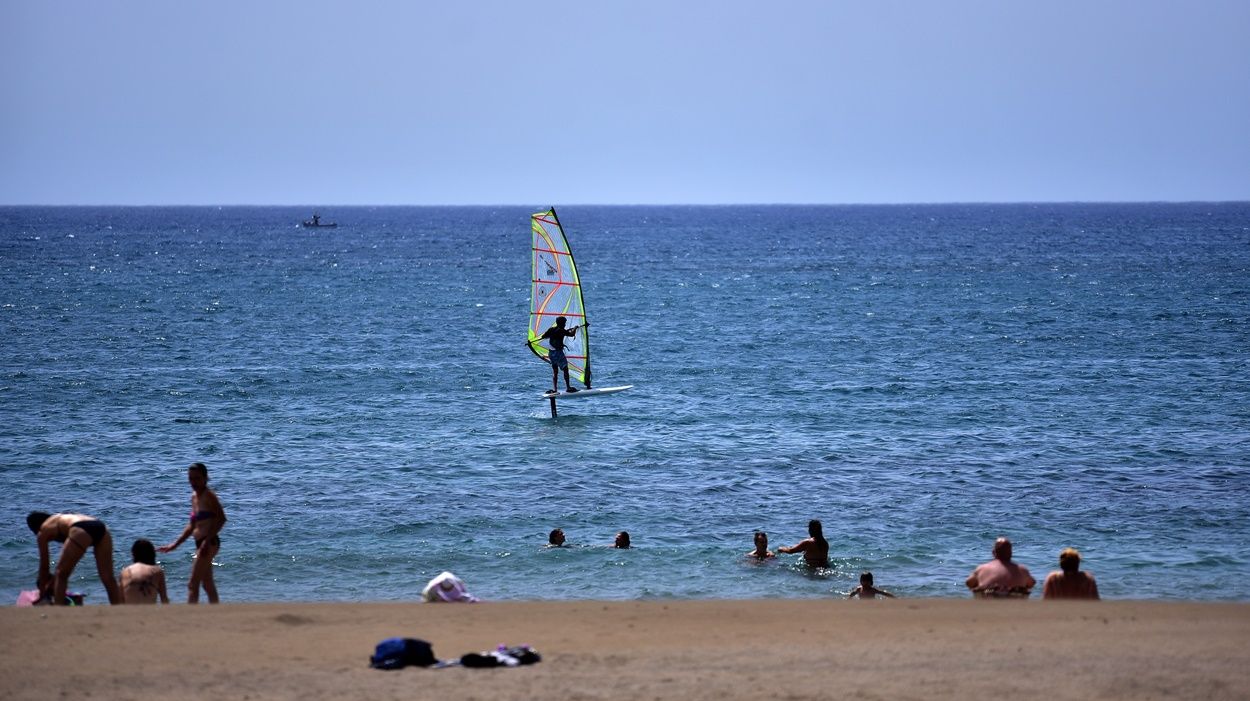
(207, 520)
(78, 533)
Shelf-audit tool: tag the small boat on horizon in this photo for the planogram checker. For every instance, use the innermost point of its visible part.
(316, 223)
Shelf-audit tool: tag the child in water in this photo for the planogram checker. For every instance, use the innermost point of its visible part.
(761, 551)
(866, 590)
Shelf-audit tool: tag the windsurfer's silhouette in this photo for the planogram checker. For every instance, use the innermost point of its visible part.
(556, 335)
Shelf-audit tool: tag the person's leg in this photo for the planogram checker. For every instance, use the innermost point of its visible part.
(567, 384)
(75, 547)
(555, 377)
(210, 587)
(104, 566)
(202, 573)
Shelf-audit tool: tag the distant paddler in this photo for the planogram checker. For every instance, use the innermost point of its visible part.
(555, 336)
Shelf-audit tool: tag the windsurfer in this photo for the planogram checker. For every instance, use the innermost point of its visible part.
(556, 335)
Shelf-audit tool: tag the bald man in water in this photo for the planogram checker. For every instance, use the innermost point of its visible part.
(1000, 577)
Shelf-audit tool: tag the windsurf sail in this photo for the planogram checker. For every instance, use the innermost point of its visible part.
(555, 291)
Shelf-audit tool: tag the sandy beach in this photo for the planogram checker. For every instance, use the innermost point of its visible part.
(750, 649)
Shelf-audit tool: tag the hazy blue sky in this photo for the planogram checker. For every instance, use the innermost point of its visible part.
(403, 102)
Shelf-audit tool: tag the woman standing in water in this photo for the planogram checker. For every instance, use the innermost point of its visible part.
(207, 520)
(815, 549)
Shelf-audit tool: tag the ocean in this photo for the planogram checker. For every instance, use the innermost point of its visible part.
(922, 378)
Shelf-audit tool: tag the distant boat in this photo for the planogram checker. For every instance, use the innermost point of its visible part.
(316, 223)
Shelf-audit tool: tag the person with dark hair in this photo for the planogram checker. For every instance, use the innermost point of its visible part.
(78, 533)
(866, 590)
(621, 541)
(555, 336)
(1001, 578)
(1070, 582)
(207, 520)
(143, 581)
(815, 548)
(761, 551)
(555, 539)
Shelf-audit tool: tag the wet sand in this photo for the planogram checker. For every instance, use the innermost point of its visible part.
(722, 650)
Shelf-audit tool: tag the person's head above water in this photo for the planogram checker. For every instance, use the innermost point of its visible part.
(1002, 550)
(143, 552)
(761, 540)
(35, 519)
(865, 579)
(815, 530)
(622, 540)
(556, 537)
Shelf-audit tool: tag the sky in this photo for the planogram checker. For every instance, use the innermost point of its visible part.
(310, 102)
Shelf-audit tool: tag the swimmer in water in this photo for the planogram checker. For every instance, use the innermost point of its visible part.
(815, 548)
(761, 551)
(555, 539)
(866, 590)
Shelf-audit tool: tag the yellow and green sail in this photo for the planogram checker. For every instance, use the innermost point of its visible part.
(555, 291)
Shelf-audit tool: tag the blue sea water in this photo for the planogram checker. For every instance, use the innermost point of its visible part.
(920, 378)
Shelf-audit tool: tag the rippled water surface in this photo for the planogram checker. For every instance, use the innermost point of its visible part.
(921, 378)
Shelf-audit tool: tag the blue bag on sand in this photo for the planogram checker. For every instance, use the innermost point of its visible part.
(395, 653)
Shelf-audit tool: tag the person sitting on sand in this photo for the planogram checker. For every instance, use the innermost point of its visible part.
(78, 533)
(555, 539)
(866, 590)
(143, 581)
(815, 549)
(1070, 582)
(1000, 577)
(761, 551)
(207, 520)
(622, 540)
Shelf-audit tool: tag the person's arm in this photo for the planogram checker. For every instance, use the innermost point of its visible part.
(160, 587)
(854, 593)
(972, 582)
(801, 547)
(44, 579)
(1048, 587)
(884, 593)
(186, 533)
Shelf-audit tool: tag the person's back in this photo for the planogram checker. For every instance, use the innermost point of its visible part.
(998, 578)
(815, 549)
(144, 581)
(142, 584)
(1070, 582)
(1001, 577)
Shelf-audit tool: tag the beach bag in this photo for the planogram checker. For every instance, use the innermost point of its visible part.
(396, 653)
